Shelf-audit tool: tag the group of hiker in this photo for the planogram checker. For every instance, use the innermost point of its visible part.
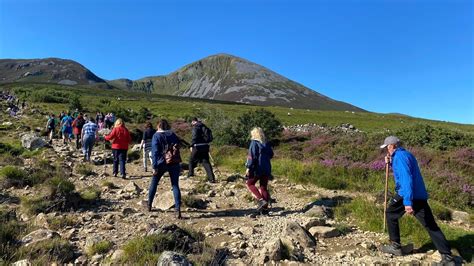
(161, 150)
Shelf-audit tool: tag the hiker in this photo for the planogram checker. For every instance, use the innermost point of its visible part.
(61, 116)
(259, 168)
(108, 121)
(77, 125)
(146, 144)
(120, 137)
(89, 135)
(99, 118)
(50, 127)
(410, 197)
(166, 158)
(75, 114)
(66, 127)
(201, 138)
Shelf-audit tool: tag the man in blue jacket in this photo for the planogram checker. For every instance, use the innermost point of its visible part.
(410, 197)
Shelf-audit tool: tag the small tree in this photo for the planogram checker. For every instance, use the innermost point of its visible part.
(259, 118)
(75, 103)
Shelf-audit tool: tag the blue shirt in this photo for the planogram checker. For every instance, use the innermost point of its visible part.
(67, 121)
(89, 129)
(159, 145)
(408, 180)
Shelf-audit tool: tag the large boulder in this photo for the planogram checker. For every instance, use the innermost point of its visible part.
(31, 141)
(171, 258)
(297, 234)
(164, 201)
(274, 251)
(39, 235)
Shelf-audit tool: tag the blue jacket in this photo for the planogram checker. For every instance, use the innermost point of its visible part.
(258, 158)
(159, 144)
(408, 180)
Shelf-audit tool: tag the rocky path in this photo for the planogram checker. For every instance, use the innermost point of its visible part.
(299, 219)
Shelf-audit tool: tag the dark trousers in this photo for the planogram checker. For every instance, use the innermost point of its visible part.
(263, 193)
(174, 171)
(423, 214)
(78, 141)
(120, 157)
(200, 154)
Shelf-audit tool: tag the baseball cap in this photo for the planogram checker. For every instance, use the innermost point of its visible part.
(390, 140)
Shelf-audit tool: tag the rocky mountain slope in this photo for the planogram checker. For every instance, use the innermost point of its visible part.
(48, 70)
(230, 78)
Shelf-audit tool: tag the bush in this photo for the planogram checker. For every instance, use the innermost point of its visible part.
(75, 103)
(60, 222)
(35, 205)
(259, 118)
(14, 150)
(133, 155)
(101, 247)
(194, 202)
(60, 186)
(147, 250)
(144, 114)
(10, 231)
(46, 95)
(14, 176)
(434, 137)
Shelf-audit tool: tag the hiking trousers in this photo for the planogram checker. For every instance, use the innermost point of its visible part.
(263, 192)
(422, 212)
(87, 146)
(120, 158)
(200, 154)
(174, 171)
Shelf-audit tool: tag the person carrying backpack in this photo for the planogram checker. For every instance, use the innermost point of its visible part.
(66, 127)
(201, 138)
(50, 127)
(146, 144)
(259, 168)
(89, 135)
(77, 125)
(120, 137)
(166, 158)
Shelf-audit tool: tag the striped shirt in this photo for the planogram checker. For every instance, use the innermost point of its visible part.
(89, 129)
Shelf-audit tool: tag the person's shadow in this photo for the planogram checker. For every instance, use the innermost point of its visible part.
(464, 244)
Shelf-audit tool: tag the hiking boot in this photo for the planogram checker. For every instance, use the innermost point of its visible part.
(177, 215)
(124, 177)
(446, 259)
(393, 248)
(115, 174)
(265, 211)
(261, 204)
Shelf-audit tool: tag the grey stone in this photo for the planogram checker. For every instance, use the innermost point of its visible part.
(31, 141)
(92, 240)
(170, 258)
(25, 262)
(164, 201)
(39, 235)
(132, 188)
(316, 211)
(117, 255)
(296, 233)
(229, 193)
(314, 222)
(461, 217)
(274, 250)
(41, 220)
(324, 231)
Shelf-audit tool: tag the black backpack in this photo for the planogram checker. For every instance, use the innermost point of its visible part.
(207, 134)
(51, 123)
(80, 122)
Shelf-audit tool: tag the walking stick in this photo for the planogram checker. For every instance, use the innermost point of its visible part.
(215, 166)
(385, 200)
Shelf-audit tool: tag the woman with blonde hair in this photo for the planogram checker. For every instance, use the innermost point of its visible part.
(259, 167)
(120, 137)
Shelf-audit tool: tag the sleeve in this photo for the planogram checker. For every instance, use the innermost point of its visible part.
(195, 134)
(111, 135)
(154, 150)
(401, 168)
(251, 155)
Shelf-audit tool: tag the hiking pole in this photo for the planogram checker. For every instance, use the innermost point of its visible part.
(385, 199)
(215, 165)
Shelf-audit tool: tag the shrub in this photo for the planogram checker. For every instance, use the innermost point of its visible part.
(59, 222)
(133, 155)
(60, 186)
(147, 250)
(75, 103)
(14, 150)
(35, 205)
(46, 95)
(259, 118)
(10, 231)
(101, 247)
(194, 202)
(434, 137)
(56, 249)
(144, 114)
(14, 176)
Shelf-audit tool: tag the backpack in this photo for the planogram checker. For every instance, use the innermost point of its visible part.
(51, 123)
(67, 123)
(80, 122)
(172, 154)
(207, 134)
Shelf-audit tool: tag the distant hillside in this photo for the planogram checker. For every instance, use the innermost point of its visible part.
(230, 78)
(48, 70)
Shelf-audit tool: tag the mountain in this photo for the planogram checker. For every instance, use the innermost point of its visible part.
(230, 78)
(48, 70)
(218, 77)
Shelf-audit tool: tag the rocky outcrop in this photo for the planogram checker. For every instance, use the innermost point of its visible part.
(31, 141)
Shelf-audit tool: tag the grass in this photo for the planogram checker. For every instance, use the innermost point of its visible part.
(12, 176)
(90, 194)
(368, 216)
(60, 222)
(201, 188)
(53, 250)
(147, 249)
(35, 205)
(10, 231)
(108, 184)
(193, 202)
(101, 247)
(85, 169)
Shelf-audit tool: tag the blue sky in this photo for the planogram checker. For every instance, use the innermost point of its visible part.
(405, 56)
